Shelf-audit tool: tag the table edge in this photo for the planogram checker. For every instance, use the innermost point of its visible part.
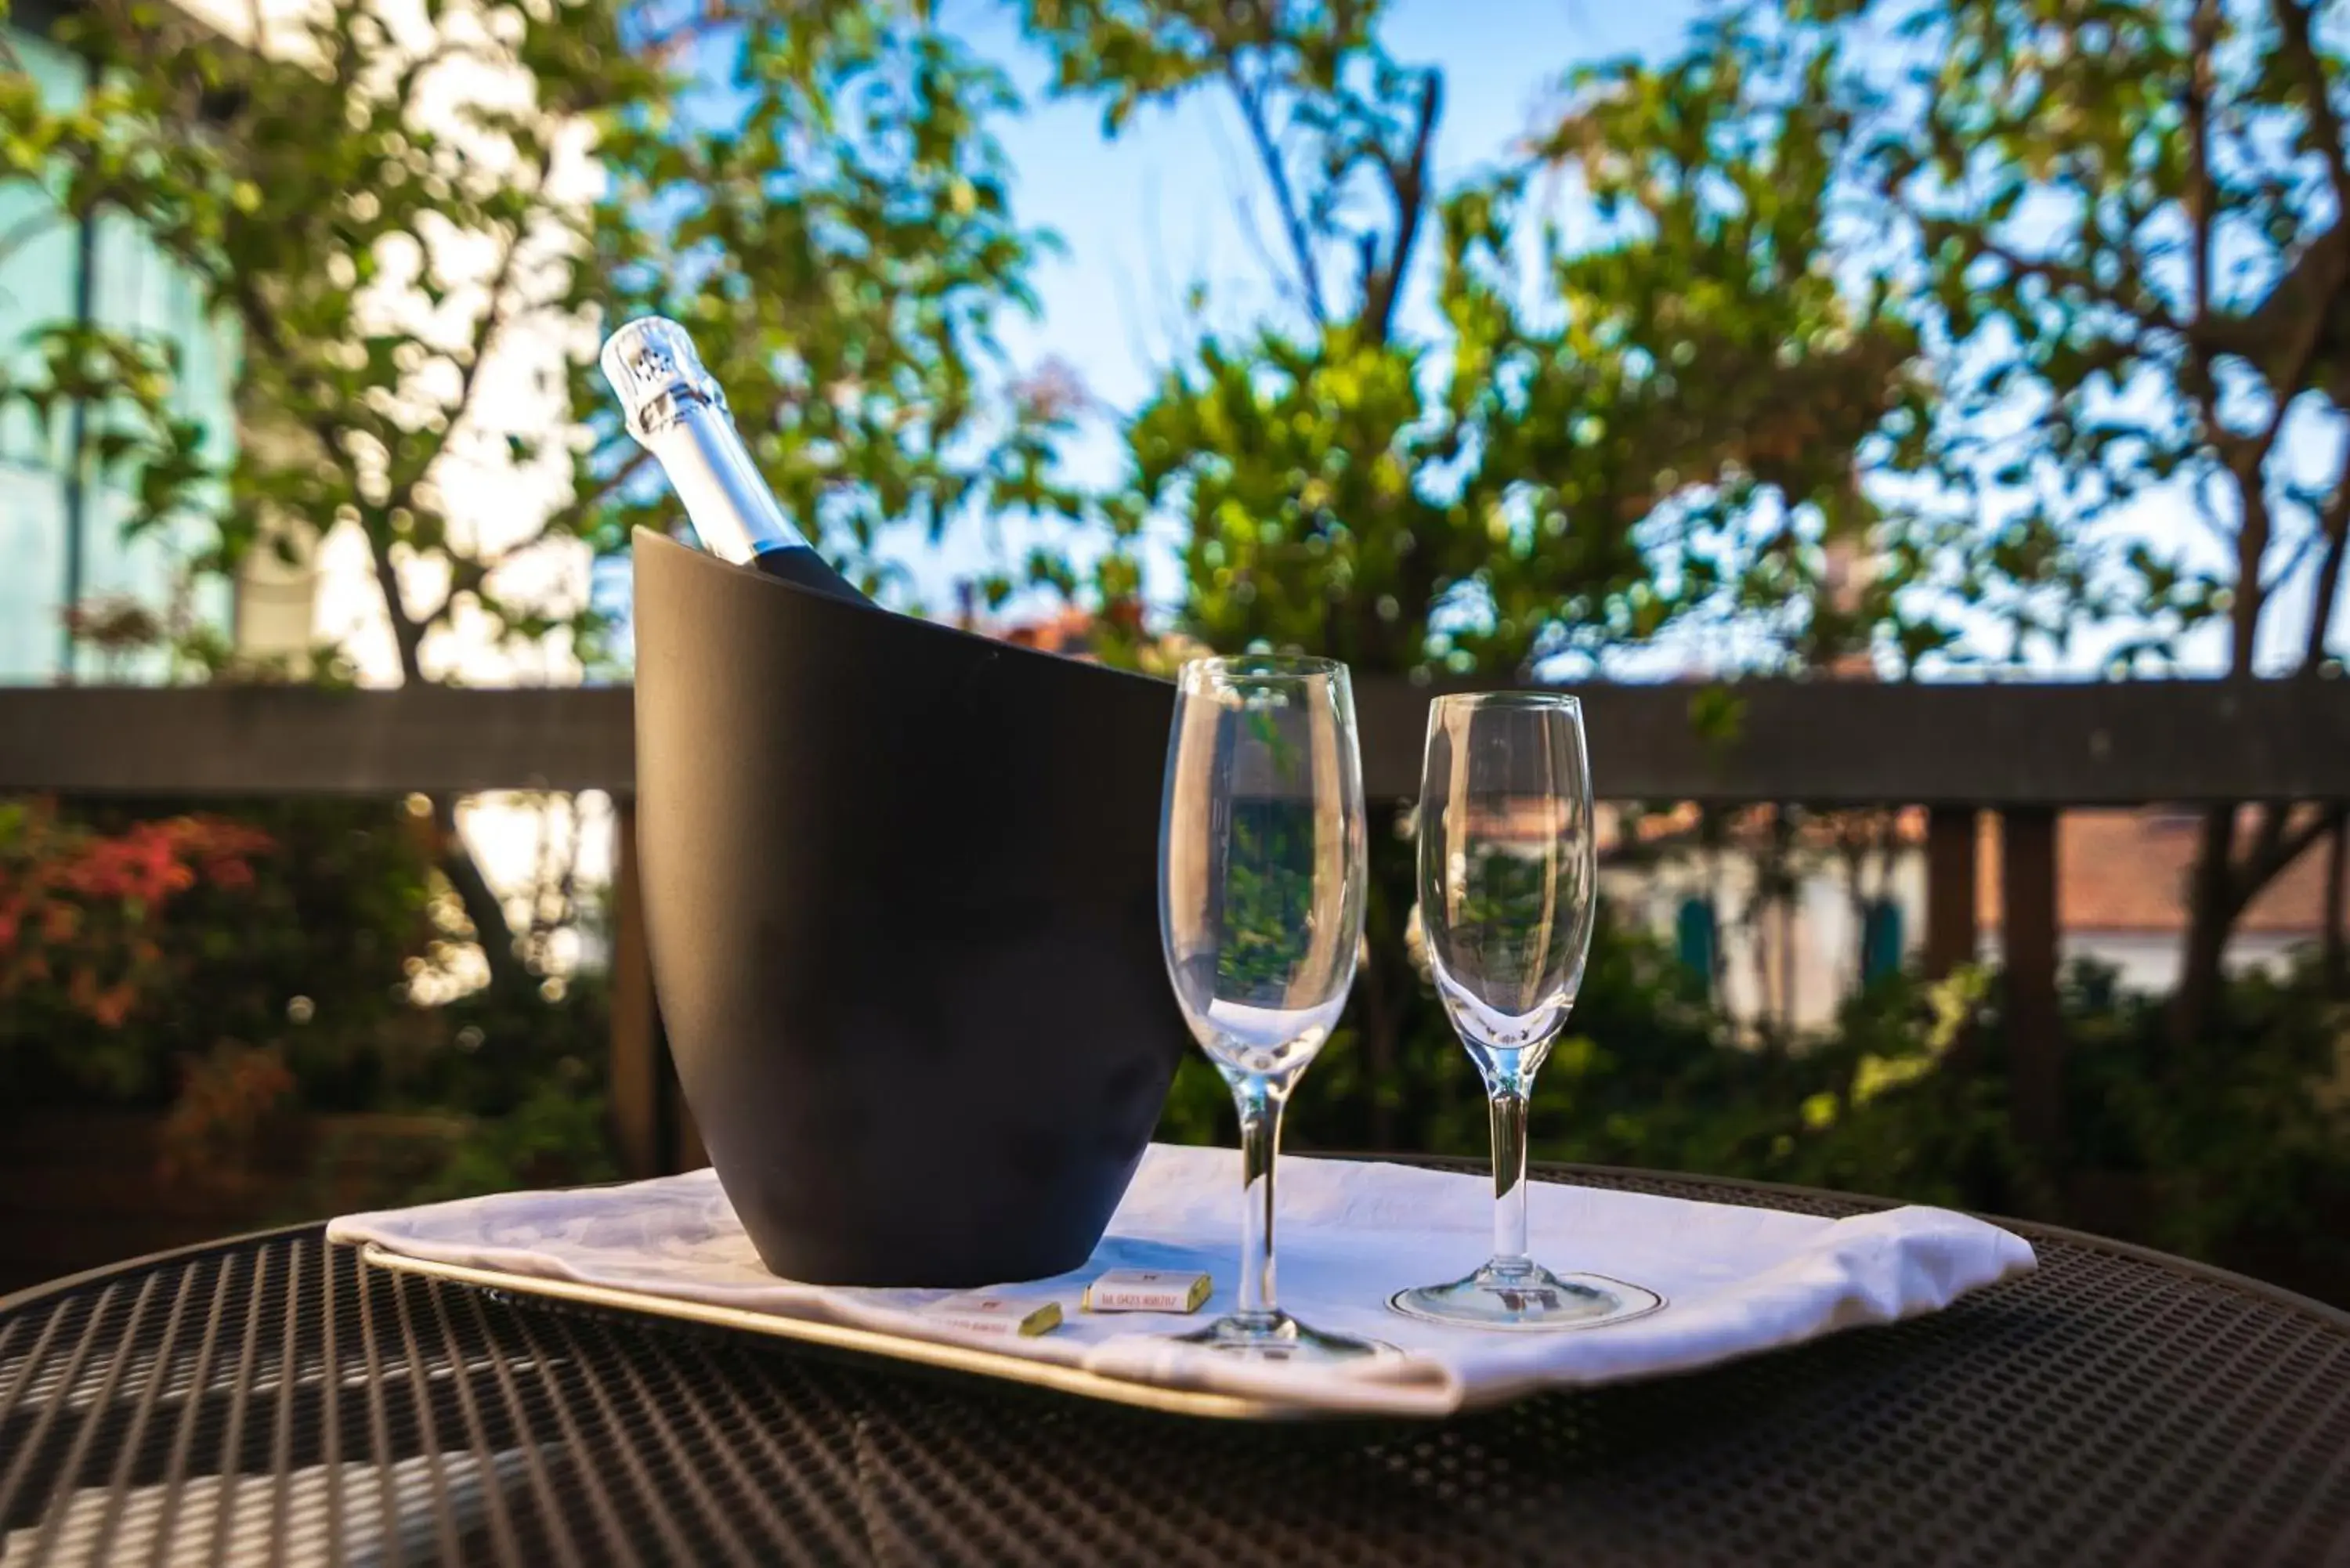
(67, 1283)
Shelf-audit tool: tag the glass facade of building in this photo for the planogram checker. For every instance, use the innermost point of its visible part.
(127, 285)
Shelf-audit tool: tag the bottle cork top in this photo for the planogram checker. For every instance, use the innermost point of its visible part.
(652, 365)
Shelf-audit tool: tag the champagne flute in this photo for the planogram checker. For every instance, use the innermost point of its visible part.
(1508, 885)
(1260, 876)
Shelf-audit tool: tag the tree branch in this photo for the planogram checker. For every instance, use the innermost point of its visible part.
(2325, 125)
(564, 519)
(2243, 461)
(2282, 850)
(2334, 523)
(254, 316)
(1276, 174)
(407, 633)
(2253, 532)
(2293, 563)
(261, 326)
(2205, 33)
(2286, 388)
(493, 322)
(1244, 219)
(2144, 309)
(2248, 876)
(508, 973)
(1409, 186)
(579, 505)
(2205, 36)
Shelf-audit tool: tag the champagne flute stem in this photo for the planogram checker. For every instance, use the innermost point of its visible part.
(1259, 1110)
(1508, 1107)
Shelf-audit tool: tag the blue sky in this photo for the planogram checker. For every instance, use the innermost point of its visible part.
(1146, 217)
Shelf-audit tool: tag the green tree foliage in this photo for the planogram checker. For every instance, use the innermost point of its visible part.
(378, 202)
(1893, 311)
(1672, 420)
(1667, 423)
(2123, 228)
(370, 240)
(834, 225)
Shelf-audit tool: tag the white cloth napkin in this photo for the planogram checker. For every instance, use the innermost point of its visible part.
(1351, 1234)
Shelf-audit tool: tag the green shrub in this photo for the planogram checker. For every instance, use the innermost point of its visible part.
(236, 965)
(2237, 1151)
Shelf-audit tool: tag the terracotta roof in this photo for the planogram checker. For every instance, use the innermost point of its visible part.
(1071, 631)
(2127, 871)
(1078, 633)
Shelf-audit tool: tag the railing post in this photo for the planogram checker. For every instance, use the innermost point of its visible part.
(1950, 888)
(2333, 953)
(2035, 1038)
(639, 1055)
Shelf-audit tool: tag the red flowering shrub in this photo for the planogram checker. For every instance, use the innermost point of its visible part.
(242, 968)
(81, 911)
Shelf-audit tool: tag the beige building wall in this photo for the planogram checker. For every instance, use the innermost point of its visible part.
(2121, 876)
(329, 594)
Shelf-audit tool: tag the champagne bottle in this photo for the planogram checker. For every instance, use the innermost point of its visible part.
(676, 409)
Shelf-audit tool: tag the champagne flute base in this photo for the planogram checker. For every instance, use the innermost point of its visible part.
(1277, 1336)
(1517, 1294)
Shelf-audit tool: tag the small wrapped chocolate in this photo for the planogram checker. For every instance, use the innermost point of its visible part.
(1147, 1290)
(1004, 1316)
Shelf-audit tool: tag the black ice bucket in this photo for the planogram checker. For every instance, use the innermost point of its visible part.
(901, 887)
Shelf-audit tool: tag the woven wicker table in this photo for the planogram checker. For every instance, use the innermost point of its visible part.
(266, 1401)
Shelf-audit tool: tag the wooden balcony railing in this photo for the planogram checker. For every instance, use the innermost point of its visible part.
(2025, 752)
